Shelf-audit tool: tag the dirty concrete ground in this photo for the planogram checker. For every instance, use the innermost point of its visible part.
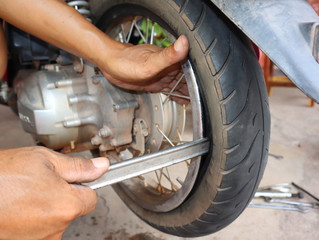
(295, 129)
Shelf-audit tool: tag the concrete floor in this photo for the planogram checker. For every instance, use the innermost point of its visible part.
(295, 129)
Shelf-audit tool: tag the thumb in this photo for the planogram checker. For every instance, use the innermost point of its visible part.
(181, 47)
(76, 169)
(87, 197)
(172, 54)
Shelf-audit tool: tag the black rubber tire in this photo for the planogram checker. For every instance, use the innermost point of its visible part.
(237, 120)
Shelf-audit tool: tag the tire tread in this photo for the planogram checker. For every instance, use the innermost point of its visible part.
(240, 101)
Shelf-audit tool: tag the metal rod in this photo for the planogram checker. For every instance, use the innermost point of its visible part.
(177, 95)
(305, 191)
(139, 32)
(173, 89)
(165, 136)
(277, 194)
(152, 34)
(278, 207)
(302, 204)
(130, 32)
(151, 162)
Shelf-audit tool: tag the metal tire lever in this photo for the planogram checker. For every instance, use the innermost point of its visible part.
(147, 163)
(294, 203)
(279, 207)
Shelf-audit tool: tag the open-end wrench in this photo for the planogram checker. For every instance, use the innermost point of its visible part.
(279, 207)
(301, 204)
(283, 187)
(278, 194)
(278, 157)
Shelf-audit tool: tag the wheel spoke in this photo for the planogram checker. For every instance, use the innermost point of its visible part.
(131, 30)
(139, 32)
(173, 89)
(121, 38)
(176, 95)
(172, 144)
(152, 34)
(181, 142)
(122, 35)
(160, 187)
(165, 136)
(179, 181)
(159, 178)
(180, 138)
(161, 42)
(175, 127)
(147, 23)
(173, 186)
(187, 163)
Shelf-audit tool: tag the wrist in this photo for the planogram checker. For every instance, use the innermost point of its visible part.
(108, 53)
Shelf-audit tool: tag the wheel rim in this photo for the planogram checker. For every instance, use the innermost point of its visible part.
(163, 190)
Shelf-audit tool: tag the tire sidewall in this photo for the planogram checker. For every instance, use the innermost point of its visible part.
(210, 179)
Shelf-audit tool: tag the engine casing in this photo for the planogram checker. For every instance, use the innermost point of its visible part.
(61, 107)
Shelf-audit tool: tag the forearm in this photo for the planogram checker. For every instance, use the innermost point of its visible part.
(144, 67)
(3, 53)
(57, 23)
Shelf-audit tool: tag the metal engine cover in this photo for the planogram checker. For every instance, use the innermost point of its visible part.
(44, 107)
(63, 108)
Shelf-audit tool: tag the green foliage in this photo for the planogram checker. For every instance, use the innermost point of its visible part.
(149, 28)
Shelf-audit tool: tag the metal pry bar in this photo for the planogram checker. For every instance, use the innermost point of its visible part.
(147, 163)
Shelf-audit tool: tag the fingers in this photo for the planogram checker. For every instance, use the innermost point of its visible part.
(181, 46)
(170, 55)
(87, 197)
(76, 169)
(149, 66)
(44, 203)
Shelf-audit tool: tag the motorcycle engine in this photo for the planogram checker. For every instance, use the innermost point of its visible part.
(80, 109)
(70, 105)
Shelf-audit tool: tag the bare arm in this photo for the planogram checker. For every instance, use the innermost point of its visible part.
(37, 201)
(57, 23)
(3, 53)
(37, 180)
(143, 67)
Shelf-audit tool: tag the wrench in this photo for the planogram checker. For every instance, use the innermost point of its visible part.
(284, 187)
(279, 207)
(278, 157)
(301, 204)
(278, 194)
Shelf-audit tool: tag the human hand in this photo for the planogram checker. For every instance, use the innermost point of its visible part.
(141, 68)
(37, 201)
(148, 67)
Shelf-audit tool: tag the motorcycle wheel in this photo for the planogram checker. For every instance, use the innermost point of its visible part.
(235, 114)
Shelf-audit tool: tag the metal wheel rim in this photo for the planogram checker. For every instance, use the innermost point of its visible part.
(147, 198)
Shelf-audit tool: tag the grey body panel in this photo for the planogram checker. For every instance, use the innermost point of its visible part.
(286, 31)
(283, 29)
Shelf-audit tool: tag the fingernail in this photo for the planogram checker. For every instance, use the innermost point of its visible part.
(178, 45)
(100, 162)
